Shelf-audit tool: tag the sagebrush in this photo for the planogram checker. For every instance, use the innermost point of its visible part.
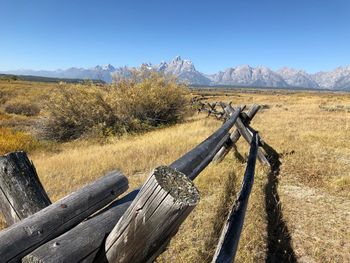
(77, 110)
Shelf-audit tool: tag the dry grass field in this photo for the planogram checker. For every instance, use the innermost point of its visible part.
(297, 212)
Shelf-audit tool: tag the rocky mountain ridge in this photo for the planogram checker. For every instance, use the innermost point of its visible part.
(185, 71)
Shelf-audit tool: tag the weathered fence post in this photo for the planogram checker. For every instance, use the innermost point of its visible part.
(234, 137)
(163, 203)
(229, 238)
(21, 192)
(26, 235)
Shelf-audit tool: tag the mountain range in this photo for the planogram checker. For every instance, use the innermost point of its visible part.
(185, 71)
(96, 73)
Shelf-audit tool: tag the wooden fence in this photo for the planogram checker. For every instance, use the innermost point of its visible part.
(93, 225)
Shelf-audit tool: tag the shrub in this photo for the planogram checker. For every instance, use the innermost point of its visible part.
(128, 106)
(22, 108)
(16, 141)
(74, 111)
(154, 101)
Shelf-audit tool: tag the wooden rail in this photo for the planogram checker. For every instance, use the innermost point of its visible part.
(82, 242)
(187, 163)
(228, 242)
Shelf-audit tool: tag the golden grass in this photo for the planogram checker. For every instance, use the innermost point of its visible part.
(25, 90)
(313, 143)
(30, 93)
(16, 141)
(315, 153)
(79, 163)
(318, 222)
(313, 181)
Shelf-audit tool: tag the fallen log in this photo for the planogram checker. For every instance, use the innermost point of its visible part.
(229, 238)
(163, 203)
(234, 137)
(21, 192)
(23, 237)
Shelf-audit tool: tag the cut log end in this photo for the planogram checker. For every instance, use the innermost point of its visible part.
(153, 218)
(177, 185)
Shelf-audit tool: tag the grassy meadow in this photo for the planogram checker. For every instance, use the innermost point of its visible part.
(297, 212)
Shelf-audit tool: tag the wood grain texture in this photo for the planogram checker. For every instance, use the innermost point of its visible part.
(163, 203)
(82, 242)
(208, 158)
(229, 238)
(188, 162)
(21, 192)
(23, 237)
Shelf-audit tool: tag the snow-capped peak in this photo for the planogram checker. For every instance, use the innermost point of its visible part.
(108, 67)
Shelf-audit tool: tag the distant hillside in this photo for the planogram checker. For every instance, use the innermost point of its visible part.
(43, 79)
(96, 73)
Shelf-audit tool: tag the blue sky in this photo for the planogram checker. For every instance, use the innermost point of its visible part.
(50, 34)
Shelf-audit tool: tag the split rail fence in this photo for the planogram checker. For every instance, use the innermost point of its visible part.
(93, 225)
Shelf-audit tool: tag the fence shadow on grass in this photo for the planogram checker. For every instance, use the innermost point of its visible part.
(279, 247)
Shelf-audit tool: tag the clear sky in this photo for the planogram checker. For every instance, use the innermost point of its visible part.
(49, 34)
